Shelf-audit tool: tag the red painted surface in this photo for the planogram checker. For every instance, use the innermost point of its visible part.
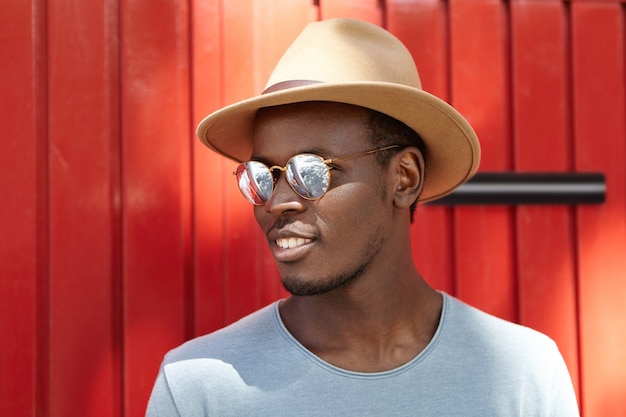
(23, 212)
(83, 225)
(480, 81)
(121, 236)
(542, 118)
(599, 132)
(156, 185)
(208, 174)
(368, 10)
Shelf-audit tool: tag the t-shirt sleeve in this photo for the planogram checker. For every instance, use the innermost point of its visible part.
(161, 403)
(563, 401)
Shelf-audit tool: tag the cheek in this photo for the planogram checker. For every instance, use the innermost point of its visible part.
(353, 206)
(368, 195)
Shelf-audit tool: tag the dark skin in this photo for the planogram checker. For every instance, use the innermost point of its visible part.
(372, 311)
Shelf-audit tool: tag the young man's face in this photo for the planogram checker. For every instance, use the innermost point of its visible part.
(325, 244)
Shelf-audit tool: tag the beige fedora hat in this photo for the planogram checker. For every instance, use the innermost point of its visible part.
(354, 62)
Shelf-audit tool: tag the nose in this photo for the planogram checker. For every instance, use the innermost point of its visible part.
(283, 199)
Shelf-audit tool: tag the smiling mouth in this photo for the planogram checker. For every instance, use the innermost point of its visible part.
(292, 242)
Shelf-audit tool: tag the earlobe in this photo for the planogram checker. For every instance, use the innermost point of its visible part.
(409, 177)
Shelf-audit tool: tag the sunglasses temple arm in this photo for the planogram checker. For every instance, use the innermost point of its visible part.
(342, 158)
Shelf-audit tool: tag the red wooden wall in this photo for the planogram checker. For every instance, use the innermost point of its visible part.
(121, 236)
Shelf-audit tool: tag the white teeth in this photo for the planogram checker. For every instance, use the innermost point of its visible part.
(292, 242)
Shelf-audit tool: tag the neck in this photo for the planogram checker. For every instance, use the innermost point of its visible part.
(374, 324)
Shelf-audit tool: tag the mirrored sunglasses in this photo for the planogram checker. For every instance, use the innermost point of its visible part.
(307, 174)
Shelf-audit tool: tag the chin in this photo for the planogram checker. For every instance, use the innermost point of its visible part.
(303, 287)
(300, 286)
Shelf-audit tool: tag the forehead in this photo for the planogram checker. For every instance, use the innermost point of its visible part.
(326, 128)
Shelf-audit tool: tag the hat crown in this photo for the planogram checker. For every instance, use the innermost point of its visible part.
(353, 62)
(346, 51)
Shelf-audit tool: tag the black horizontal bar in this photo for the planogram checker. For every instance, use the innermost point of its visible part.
(516, 188)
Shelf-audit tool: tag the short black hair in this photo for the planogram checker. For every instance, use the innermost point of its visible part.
(385, 130)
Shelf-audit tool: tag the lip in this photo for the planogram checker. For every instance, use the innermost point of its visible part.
(291, 254)
(294, 246)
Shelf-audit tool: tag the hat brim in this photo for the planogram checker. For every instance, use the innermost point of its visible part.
(453, 151)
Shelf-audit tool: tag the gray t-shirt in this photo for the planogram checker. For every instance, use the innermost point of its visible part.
(475, 365)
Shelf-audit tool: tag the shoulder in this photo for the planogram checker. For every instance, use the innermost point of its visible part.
(223, 359)
(486, 335)
(506, 364)
(245, 334)
(216, 364)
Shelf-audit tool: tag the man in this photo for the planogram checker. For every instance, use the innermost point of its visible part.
(339, 148)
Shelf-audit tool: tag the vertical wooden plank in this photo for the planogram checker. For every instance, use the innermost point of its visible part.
(541, 112)
(84, 250)
(23, 212)
(485, 267)
(156, 137)
(369, 10)
(422, 27)
(599, 129)
(242, 291)
(209, 172)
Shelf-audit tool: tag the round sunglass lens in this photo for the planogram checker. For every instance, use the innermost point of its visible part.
(308, 175)
(255, 182)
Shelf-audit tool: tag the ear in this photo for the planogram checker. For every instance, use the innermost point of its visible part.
(409, 178)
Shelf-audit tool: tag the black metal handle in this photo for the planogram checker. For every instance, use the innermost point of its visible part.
(515, 188)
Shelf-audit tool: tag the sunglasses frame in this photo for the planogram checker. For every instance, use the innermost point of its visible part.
(327, 162)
